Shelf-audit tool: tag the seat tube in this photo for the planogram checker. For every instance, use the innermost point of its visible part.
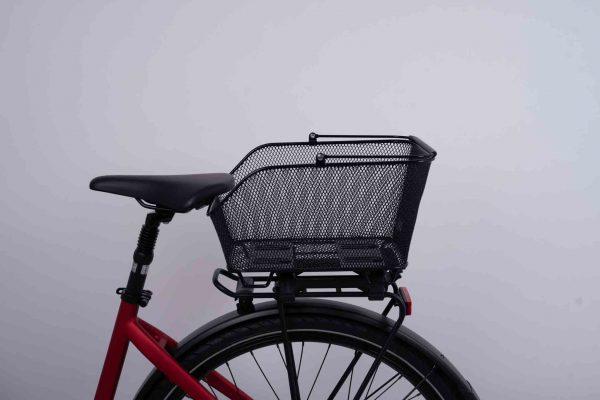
(117, 350)
(132, 297)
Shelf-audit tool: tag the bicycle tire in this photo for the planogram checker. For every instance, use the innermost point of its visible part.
(321, 321)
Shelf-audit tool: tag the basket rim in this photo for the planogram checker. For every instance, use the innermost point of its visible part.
(430, 153)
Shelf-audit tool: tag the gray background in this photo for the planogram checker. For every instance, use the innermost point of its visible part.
(504, 263)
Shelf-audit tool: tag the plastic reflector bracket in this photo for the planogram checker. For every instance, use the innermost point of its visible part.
(407, 300)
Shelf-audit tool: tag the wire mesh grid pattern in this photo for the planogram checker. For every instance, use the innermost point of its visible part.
(355, 211)
(303, 153)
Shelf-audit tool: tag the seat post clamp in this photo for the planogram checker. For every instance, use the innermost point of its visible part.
(142, 299)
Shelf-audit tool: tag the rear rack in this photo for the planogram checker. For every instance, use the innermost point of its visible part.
(287, 286)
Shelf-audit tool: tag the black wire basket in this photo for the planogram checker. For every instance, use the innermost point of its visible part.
(347, 203)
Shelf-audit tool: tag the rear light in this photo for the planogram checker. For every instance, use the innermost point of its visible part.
(407, 300)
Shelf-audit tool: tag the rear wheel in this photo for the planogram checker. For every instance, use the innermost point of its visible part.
(326, 337)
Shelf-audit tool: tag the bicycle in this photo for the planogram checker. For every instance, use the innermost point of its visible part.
(298, 223)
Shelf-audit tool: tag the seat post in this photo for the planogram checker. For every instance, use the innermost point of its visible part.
(143, 255)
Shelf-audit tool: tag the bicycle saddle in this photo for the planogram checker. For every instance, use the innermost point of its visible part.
(179, 193)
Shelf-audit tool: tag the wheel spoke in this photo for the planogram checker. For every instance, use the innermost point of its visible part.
(347, 371)
(371, 383)
(318, 372)
(281, 355)
(407, 397)
(389, 387)
(263, 374)
(397, 377)
(232, 377)
(350, 384)
(300, 363)
(212, 390)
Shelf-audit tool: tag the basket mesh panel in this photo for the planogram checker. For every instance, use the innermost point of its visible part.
(292, 215)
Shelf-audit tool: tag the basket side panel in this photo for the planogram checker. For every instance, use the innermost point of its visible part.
(316, 202)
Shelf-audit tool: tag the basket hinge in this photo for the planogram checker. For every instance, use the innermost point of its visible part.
(312, 138)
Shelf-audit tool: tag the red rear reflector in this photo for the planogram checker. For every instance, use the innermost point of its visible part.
(407, 300)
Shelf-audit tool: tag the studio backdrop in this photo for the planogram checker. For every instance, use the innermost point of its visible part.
(503, 268)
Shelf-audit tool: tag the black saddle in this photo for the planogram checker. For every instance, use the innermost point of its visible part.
(179, 193)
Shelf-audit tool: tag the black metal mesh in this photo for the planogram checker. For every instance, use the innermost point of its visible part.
(304, 153)
(286, 213)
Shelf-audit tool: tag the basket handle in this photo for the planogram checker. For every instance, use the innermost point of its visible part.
(312, 137)
(429, 152)
(321, 157)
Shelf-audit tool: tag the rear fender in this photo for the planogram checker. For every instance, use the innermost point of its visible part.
(305, 306)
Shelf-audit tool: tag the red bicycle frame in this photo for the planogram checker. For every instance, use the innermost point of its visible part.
(155, 346)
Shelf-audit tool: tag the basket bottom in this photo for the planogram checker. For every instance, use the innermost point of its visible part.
(315, 255)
